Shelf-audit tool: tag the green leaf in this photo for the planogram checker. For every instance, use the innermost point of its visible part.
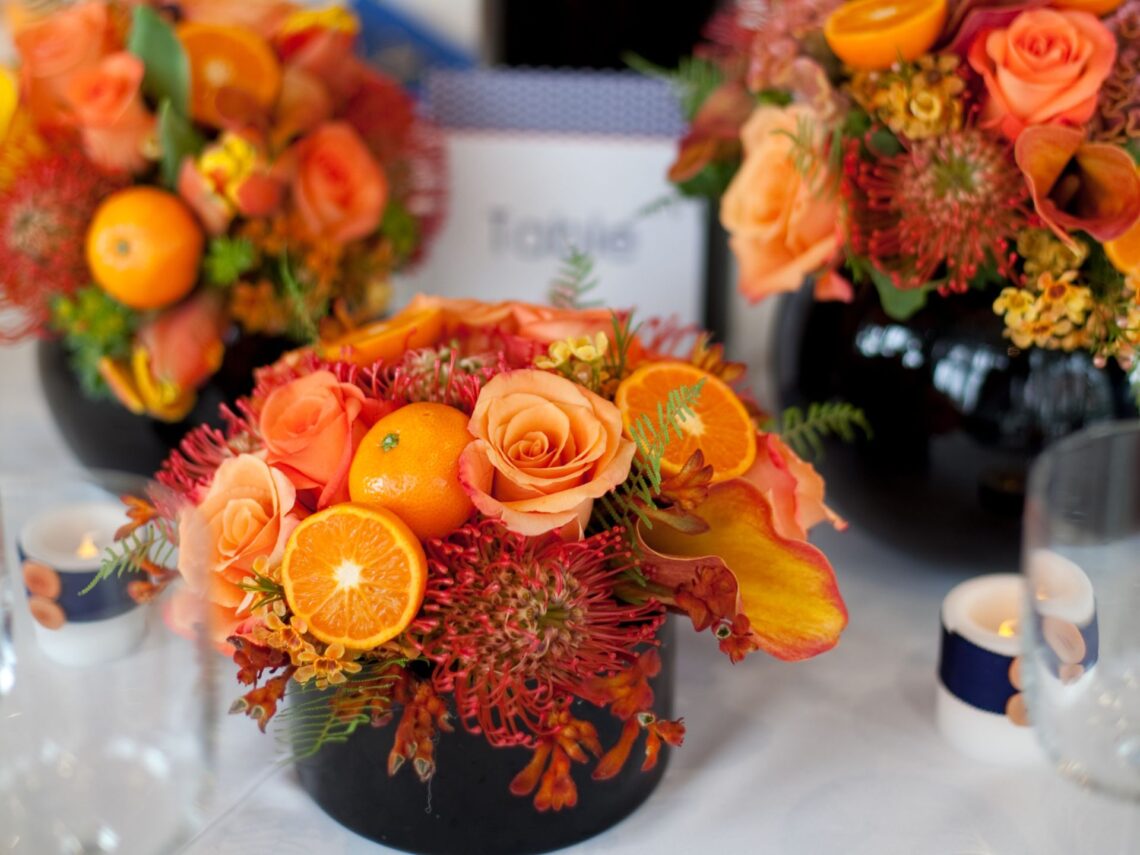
(400, 227)
(178, 140)
(227, 259)
(692, 82)
(93, 325)
(1133, 149)
(897, 303)
(710, 182)
(167, 75)
(777, 97)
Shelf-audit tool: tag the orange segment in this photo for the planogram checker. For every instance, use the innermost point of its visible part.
(1124, 251)
(721, 427)
(356, 575)
(873, 34)
(227, 58)
(408, 462)
(388, 339)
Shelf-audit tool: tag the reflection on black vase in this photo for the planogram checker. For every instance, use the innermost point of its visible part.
(958, 416)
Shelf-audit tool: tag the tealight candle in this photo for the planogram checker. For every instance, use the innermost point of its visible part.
(980, 640)
(61, 550)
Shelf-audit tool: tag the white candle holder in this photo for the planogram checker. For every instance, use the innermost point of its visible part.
(61, 550)
(980, 639)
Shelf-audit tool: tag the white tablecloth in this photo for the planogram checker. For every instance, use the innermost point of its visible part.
(836, 755)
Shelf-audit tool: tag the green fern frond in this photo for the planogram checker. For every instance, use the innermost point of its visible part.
(308, 721)
(302, 323)
(574, 281)
(151, 543)
(692, 82)
(652, 438)
(662, 203)
(264, 589)
(805, 432)
(617, 355)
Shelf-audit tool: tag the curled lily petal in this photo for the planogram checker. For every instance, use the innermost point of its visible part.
(715, 132)
(785, 588)
(1076, 184)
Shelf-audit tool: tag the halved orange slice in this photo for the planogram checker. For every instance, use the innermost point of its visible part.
(224, 58)
(873, 34)
(388, 339)
(720, 427)
(1124, 251)
(355, 574)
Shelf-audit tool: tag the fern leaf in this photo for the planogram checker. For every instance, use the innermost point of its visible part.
(652, 437)
(309, 721)
(574, 281)
(153, 544)
(805, 432)
(692, 82)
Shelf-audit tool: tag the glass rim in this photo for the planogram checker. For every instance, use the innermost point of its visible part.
(1077, 441)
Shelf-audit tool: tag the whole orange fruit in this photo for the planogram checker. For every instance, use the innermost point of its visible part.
(144, 247)
(409, 463)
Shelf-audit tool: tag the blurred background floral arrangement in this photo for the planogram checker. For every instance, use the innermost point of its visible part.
(927, 149)
(177, 176)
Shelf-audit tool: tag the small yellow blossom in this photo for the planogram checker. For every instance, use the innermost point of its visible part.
(1015, 303)
(915, 100)
(1059, 298)
(1043, 252)
(286, 636)
(228, 163)
(333, 18)
(325, 669)
(582, 349)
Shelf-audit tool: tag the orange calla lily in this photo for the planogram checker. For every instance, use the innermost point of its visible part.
(1077, 184)
(762, 591)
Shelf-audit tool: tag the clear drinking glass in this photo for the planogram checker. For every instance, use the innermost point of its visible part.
(107, 718)
(1081, 558)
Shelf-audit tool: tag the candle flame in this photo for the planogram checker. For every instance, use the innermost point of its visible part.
(1008, 628)
(87, 547)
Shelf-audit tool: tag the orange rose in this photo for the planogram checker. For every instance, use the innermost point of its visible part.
(53, 49)
(782, 222)
(106, 103)
(793, 488)
(339, 190)
(246, 515)
(311, 428)
(1046, 67)
(544, 449)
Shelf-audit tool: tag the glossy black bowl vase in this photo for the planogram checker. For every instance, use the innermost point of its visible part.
(958, 415)
(103, 434)
(467, 807)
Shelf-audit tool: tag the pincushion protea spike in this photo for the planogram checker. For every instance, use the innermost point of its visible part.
(944, 207)
(515, 624)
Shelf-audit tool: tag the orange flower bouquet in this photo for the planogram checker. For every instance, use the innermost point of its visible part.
(923, 148)
(477, 516)
(173, 174)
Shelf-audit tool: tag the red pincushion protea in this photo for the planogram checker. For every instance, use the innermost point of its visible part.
(947, 206)
(44, 214)
(517, 624)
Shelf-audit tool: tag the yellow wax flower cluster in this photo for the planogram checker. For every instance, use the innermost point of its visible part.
(916, 100)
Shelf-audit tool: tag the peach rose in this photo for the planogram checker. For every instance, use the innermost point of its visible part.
(108, 107)
(339, 190)
(781, 222)
(53, 49)
(1046, 67)
(247, 514)
(793, 488)
(544, 449)
(311, 428)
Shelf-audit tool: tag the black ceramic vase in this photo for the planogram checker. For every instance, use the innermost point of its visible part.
(958, 415)
(103, 434)
(467, 807)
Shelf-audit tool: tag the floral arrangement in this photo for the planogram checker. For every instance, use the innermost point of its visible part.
(480, 514)
(174, 173)
(930, 147)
